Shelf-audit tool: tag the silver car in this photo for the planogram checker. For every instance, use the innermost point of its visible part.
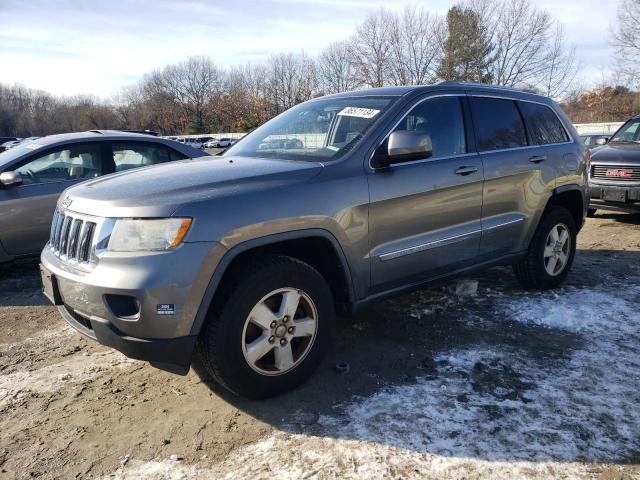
(33, 174)
(332, 205)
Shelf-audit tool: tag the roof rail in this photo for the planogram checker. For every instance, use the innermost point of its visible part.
(483, 85)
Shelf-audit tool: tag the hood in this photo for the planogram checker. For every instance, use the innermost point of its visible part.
(617, 154)
(158, 190)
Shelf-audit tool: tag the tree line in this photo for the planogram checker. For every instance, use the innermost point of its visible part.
(504, 42)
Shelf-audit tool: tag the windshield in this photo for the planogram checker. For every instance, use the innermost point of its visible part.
(18, 151)
(629, 132)
(317, 131)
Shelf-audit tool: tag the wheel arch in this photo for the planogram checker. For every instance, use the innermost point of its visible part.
(572, 198)
(317, 247)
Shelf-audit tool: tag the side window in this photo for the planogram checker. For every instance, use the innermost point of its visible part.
(175, 155)
(442, 119)
(544, 125)
(128, 155)
(73, 162)
(498, 123)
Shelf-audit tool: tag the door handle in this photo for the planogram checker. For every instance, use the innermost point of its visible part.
(466, 170)
(538, 158)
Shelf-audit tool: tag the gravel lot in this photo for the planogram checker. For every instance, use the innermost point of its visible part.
(474, 379)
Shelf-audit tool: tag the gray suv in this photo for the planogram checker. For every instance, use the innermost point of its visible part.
(334, 204)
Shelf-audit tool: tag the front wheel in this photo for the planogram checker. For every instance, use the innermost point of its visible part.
(551, 252)
(271, 332)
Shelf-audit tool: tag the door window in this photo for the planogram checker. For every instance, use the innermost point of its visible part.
(73, 162)
(544, 125)
(498, 123)
(128, 155)
(442, 119)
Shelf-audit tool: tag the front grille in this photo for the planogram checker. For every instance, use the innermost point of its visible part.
(71, 237)
(617, 173)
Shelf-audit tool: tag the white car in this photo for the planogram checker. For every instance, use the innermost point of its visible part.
(191, 142)
(222, 143)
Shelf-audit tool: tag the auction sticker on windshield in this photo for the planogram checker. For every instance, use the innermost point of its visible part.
(359, 112)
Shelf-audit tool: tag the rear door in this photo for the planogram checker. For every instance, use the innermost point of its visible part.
(26, 210)
(424, 216)
(519, 176)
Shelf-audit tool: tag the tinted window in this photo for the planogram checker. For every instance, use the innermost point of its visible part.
(544, 125)
(175, 155)
(128, 155)
(442, 119)
(71, 162)
(498, 122)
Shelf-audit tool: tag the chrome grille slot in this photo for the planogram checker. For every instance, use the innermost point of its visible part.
(86, 239)
(56, 241)
(616, 173)
(72, 247)
(64, 234)
(72, 236)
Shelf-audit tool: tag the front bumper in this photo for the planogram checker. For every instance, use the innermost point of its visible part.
(143, 305)
(622, 198)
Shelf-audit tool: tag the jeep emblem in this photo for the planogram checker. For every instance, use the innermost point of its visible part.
(67, 201)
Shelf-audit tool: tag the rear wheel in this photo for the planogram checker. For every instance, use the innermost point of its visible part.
(271, 332)
(551, 252)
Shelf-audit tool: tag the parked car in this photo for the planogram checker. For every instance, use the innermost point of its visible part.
(281, 144)
(614, 176)
(593, 140)
(245, 260)
(222, 143)
(33, 174)
(210, 143)
(191, 142)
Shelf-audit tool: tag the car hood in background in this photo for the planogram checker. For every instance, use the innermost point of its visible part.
(158, 190)
(617, 154)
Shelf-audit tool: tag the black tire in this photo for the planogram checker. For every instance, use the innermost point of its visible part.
(591, 212)
(531, 271)
(220, 344)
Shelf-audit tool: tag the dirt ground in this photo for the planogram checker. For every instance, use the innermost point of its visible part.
(474, 379)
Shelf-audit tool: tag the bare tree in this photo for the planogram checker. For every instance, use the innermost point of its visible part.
(416, 46)
(291, 80)
(521, 36)
(626, 39)
(557, 79)
(193, 84)
(335, 69)
(371, 48)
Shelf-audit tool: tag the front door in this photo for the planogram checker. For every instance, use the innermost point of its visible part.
(424, 217)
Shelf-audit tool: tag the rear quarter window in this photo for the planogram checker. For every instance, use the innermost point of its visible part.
(498, 123)
(544, 125)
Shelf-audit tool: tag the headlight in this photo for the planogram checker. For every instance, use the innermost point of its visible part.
(134, 235)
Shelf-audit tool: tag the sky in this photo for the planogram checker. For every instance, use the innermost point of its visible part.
(73, 47)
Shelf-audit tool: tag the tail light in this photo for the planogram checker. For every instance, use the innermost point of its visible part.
(587, 158)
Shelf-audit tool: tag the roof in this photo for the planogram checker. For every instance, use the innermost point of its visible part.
(403, 90)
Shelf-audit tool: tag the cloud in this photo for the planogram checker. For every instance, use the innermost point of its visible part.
(75, 47)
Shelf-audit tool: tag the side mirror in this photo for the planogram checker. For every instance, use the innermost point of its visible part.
(403, 146)
(10, 179)
(602, 141)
